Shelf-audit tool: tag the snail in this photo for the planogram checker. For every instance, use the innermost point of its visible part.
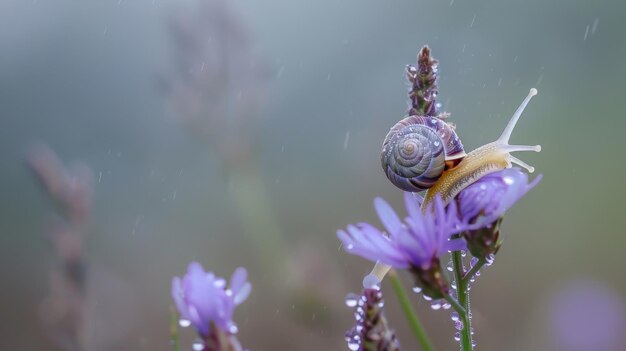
(424, 153)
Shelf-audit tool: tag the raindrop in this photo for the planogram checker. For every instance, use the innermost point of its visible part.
(508, 180)
(184, 323)
(454, 316)
(489, 259)
(371, 281)
(446, 305)
(450, 266)
(351, 299)
(198, 345)
(458, 325)
(594, 26)
(354, 341)
(436, 305)
(457, 336)
(417, 289)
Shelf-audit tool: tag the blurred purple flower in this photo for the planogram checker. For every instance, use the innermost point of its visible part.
(205, 301)
(586, 315)
(415, 243)
(485, 201)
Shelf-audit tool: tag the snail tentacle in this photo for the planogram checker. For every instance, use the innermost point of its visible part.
(519, 162)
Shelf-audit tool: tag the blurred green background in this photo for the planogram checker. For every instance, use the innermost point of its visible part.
(84, 77)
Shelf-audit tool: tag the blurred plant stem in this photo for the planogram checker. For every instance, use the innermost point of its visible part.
(409, 312)
(174, 340)
(254, 209)
(463, 301)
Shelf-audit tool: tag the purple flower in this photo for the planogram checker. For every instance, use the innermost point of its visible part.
(415, 243)
(485, 201)
(203, 299)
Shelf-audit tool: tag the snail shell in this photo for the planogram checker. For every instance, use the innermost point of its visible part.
(417, 150)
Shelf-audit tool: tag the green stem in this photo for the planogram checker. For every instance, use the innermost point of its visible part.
(409, 313)
(455, 304)
(463, 299)
(174, 329)
(466, 278)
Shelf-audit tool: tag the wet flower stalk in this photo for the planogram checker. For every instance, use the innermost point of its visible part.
(371, 331)
(442, 229)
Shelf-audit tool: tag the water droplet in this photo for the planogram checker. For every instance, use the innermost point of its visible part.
(436, 305)
(457, 336)
(458, 325)
(473, 261)
(233, 329)
(450, 266)
(489, 260)
(354, 340)
(427, 298)
(508, 180)
(454, 316)
(453, 284)
(184, 323)
(417, 289)
(446, 305)
(198, 345)
(436, 143)
(351, 299)
(473, 343)
(371, 282)
(463, 253)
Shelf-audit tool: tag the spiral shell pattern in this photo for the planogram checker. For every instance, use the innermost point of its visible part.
(415, 150)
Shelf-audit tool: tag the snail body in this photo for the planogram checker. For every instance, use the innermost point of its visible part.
(486, 159)
(425, 153)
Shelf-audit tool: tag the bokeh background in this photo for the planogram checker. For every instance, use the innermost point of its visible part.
(245, 133)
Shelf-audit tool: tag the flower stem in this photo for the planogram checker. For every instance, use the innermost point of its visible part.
(409, 313)
(466, 278)
(174, 329)
(463, 299)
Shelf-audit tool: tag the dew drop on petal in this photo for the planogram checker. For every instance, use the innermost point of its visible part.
(184, 323)
(417, 289)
